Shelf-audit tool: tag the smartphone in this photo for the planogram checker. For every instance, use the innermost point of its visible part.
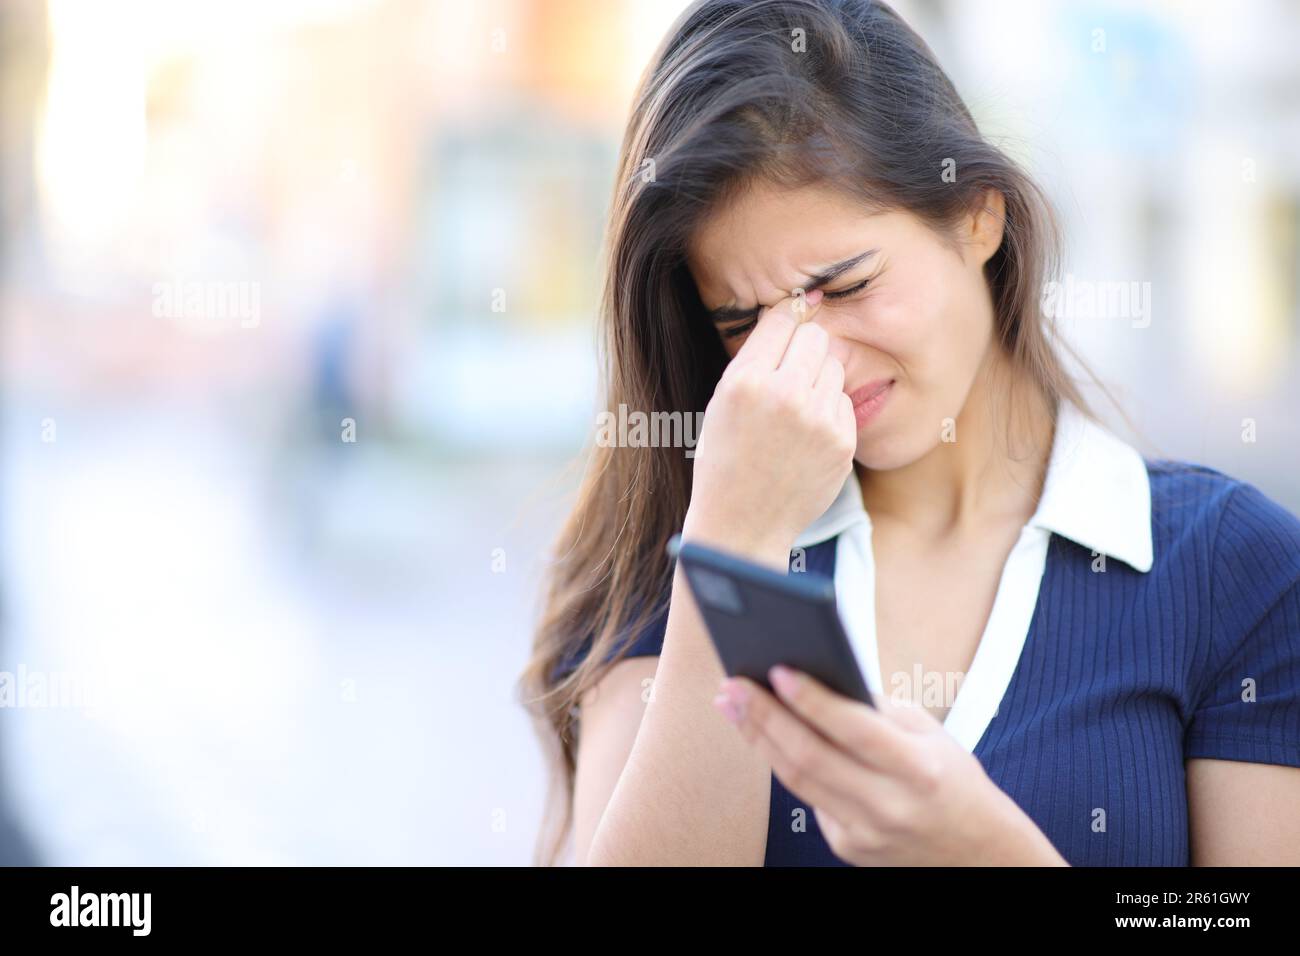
(758, 618)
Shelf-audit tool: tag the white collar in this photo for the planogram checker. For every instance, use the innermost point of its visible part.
(1097, 493)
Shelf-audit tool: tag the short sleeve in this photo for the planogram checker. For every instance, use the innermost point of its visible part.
(648, 641)
(1249, 707)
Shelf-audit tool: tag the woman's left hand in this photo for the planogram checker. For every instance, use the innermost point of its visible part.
(888, 785)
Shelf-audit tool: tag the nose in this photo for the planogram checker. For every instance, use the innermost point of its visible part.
(839, 345)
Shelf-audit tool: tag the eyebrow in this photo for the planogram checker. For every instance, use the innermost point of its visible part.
(825, 277)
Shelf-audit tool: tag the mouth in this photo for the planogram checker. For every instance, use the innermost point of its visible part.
(869, 399)
(869, 391)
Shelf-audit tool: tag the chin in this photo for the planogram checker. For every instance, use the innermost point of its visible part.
(894, 445)
(882, 454)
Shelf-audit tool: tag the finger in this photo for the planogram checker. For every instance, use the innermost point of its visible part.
(804, 304)
(830, 379)
(858, 729)
(810, 766)
(766, 344)
(832, 783)
(838, 407)
(782, 319)
(832, 829)
(910, 715)
(847, 419)
(805, 354)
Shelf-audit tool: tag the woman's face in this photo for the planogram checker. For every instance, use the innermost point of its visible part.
(903, 309)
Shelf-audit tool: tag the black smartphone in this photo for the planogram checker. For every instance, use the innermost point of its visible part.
(758, 618)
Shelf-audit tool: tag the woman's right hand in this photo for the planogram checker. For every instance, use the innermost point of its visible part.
(778, 438)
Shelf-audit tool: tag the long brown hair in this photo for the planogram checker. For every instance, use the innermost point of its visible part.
(797, 92)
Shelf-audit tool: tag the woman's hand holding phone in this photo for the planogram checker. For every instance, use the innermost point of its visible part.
(777, 441)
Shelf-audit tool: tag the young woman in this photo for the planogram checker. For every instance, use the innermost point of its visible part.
(1081, 656)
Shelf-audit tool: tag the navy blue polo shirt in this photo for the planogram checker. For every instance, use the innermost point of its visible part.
(1124, 676)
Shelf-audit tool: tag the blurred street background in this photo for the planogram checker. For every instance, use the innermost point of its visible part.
(296, 335)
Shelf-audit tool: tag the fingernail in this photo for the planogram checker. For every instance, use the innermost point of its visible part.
(723, 703)
(784, 680)
(737, 695)
(813, 297)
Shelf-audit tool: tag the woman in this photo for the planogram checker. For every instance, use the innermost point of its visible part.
(1081, 657)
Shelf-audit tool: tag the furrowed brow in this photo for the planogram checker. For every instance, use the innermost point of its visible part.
(727, 314)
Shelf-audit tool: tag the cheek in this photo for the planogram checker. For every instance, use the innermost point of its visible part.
(897, 321)
(930, 327)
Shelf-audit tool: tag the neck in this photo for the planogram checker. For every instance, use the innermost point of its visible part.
(993, 472)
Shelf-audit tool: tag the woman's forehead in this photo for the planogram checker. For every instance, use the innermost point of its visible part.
(767, 241)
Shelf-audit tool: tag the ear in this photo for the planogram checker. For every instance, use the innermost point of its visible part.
(986, 226)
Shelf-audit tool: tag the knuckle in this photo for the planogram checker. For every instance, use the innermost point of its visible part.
(840, 843)
(930, 774)
(845, 411)
(743, 381)
(803, 759)
(885, 823)
(814, 333)
(788, 397)
(794, 778)
(807, 412)
(890, 821)
(868, 841)
(828, 430)
(821, 428)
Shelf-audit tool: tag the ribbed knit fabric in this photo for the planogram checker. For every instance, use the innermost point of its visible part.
(1124, 676)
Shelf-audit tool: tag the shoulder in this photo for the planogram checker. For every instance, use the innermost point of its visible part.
(1247, 543)
(1232, 514)
(640, 634)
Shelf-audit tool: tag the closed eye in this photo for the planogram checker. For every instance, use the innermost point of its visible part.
(740, 329)
(845, 293)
